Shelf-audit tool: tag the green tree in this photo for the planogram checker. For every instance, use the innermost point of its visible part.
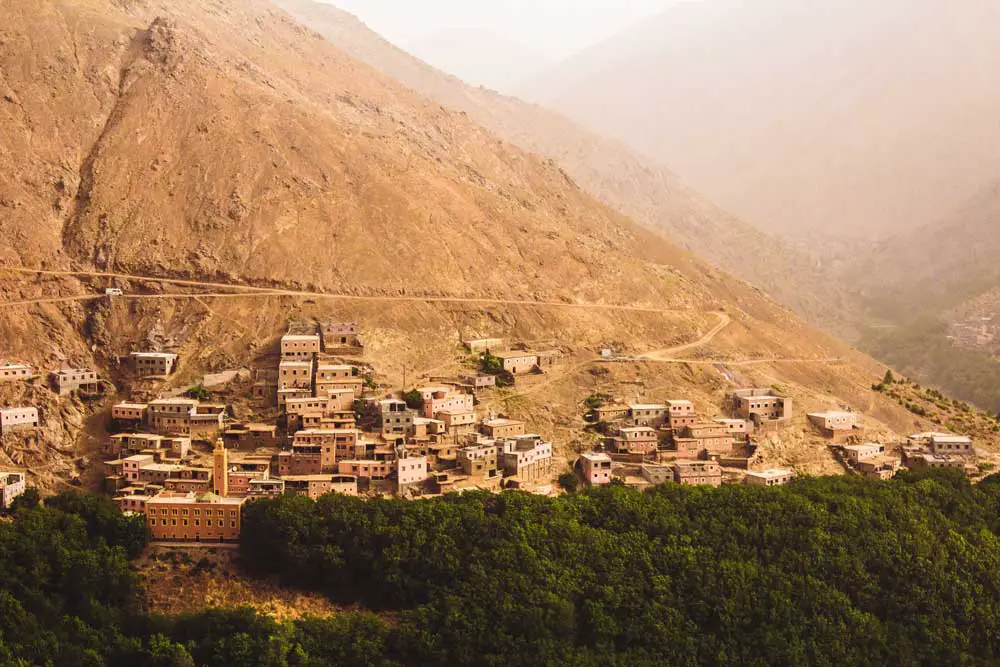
(29, 500)
(414, 400)
(569, 481)
(199, 392)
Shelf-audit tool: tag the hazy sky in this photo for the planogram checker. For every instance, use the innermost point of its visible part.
(475, 39)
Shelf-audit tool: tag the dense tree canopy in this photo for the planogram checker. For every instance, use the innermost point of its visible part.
(825, 571)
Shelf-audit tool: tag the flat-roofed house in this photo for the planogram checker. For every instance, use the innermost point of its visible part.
(341, 335)
(880, 467)
(129, 415)
(300, 347)
(595, 468)
(710, 437)
(395, 418)
(836, 425)
(289, 393)
(657, 474)
(335, 376)
(681, 413)
(648, 414)
(834, 420)
(366, 469)
(503, 428)
(336, 444)
(302, 460)
(294, 374)
(171, 415)
(194, 518)
(410, 472)
(266, 488)
(69, 380)
(132, 466)
(12, 485)
(857, 453)
(315, 486)
(697, 473)
(479, 461)
(771, 477)
(640, 440)
(528, 457)
(516, 362)
(18, 419)
(944, 443)
(611, 412)
(447, 400)
(150, 364)
(458, 422)
(15, 372)
(738, 428)
(761, 405)
(207, 422)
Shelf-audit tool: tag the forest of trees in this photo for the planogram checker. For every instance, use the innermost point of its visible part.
(825, 571)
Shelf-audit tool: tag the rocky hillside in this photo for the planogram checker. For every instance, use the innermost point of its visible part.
(622, 179)
(233, 170)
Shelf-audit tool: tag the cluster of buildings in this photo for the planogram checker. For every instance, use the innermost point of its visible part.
(940, 450)
(870, 460)
(64, 382)
(332, 435)
(650, 432)
(672, 441)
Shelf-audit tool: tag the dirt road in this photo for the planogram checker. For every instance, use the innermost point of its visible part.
(257, 292)
(668, 354)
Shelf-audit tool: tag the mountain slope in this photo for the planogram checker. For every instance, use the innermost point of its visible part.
(942, 264)
(804, 117)
(633, 185)
(926, 286)
(226, 144)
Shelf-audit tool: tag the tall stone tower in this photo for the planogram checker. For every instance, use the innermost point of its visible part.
(220, 469)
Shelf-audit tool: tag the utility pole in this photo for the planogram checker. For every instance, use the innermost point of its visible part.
(404, 367)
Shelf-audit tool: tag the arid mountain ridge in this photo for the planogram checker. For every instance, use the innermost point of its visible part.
(622, 179)
(227, 143)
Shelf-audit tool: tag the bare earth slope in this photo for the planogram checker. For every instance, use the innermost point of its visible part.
(225, 144)
(636, 186)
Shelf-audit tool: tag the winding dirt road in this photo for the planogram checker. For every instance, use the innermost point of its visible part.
(668, 354)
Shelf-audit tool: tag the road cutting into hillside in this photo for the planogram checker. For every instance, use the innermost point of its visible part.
(258, 292)
(668, 354)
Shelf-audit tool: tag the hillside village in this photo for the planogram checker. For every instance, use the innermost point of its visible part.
(314, 420)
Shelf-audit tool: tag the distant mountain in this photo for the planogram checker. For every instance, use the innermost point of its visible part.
(482, 58)
(636, 186)
(817, 118)
(938, 266)
(915, 287)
